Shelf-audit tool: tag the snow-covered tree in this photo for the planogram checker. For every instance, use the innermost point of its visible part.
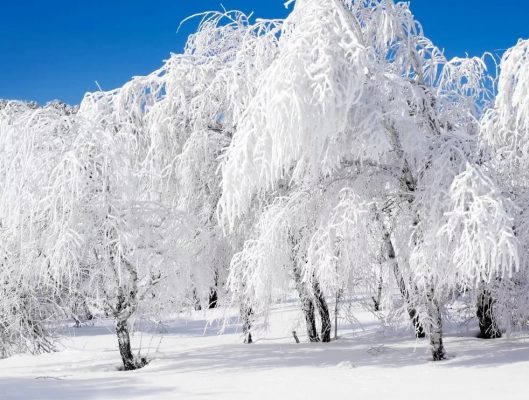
(144, 169)
(504, 135)
(32, 141)
(335, 152)
(357, 93)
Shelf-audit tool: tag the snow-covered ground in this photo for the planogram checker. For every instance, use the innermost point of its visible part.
(189, 362)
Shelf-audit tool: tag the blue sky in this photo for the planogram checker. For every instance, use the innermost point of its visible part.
(59, 48)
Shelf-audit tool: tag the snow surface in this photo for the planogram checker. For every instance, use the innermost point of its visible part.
(190, 360)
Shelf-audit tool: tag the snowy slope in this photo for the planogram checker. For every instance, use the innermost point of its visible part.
(191, 361)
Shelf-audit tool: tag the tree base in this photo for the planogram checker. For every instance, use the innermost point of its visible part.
(136, 364)
(488, 328)
(489, 335)
(248, 339)
(439, 355)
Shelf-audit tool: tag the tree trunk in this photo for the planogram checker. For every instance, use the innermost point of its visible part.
(436, 328)
(412, 312)
(487, 324)
(213, 295)
(336, 310)
(295, 336)
(198, 306)
(414, 317)
(378, 299)
(122, 331)
(307, 307)
(122, 313)
(213, 298)
(246, 314)
(126, 303)
(323, 310)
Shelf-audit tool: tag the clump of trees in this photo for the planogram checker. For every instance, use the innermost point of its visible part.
(335, 152)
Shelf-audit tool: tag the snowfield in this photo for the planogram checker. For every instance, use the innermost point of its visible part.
(190, 360)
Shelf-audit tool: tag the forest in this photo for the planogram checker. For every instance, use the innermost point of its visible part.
(335, 156)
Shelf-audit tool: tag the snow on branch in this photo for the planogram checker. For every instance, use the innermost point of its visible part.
(478, 236)
(346, 244)
(300, 108)
(505, 127)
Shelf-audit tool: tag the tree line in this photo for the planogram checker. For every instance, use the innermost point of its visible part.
(335, 152)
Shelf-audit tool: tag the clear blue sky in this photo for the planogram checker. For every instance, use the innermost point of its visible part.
(57, 48)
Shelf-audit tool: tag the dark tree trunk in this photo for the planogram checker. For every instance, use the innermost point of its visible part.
(122, 313)
(213, 298)
(414, 317)
(409, 185)
(246, 314)
(412, 312)
(307, 307)
(307, 304)
(436, 334)
(122, 331)
(436, 328)
(323, 310)
(213, 295)
(487, 324)
(295, 336)
(127, 300)
(377, 300)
